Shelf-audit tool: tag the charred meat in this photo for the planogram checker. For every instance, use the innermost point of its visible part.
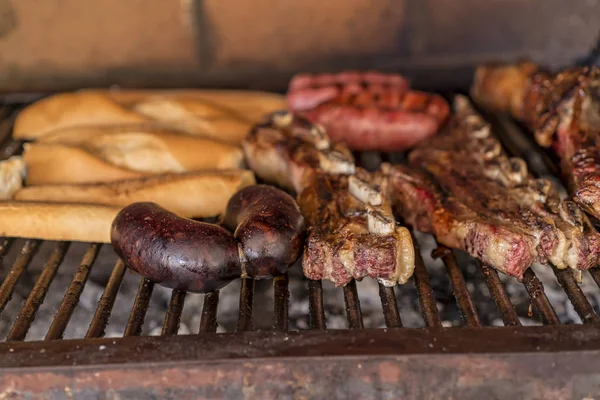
(368, 110)
(462, 187)
(351, 230)
(563, 111)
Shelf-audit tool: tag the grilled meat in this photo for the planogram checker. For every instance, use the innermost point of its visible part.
(351, 230)
(462, 187)
(562, 109)
(368, 111)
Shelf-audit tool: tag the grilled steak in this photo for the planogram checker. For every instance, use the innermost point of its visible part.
(462, 187)
(368, 110)
(562, 109)
(351, 230)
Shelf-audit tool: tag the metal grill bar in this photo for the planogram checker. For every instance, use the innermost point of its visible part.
(353, 312)
(107, 301)
(4, 113)
(595, 274)
(29, 249)
(6, 122)
(208, 320)
(244, 322)
(428, 304)
(498, 292)
(5, 246)
(463, 298)
(63, 315)
(389, 305)
(173, 316)
(580, 303)
(316, 311)
(535, 289)
(38, 293)
(281, 299)
(140, 308)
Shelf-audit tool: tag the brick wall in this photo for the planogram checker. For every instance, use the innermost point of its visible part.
(62, 44)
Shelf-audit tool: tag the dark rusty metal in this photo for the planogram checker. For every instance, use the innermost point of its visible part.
(498, 292)
(595, 274)
(316, 311)
(173, 316)
(281, 299)
(105, 305)
(38, 293)
(294, 344)
(536, 375)
(244, 322)
(535, 289)
(353, 312)
(580, 303)
(140, 308)
(389, 306)
(426, 300)
(208, 320)
(463, 298)
(28, 250)
(71, 298)
(7, 117)
(5, 246)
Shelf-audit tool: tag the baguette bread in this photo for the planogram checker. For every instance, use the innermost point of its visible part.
(12, 172)
(106, 154)
(192, 195)
(57, 163)
(57, 221)
(219, 114)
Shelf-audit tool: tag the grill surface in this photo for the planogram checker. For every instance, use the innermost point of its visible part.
(511, 338)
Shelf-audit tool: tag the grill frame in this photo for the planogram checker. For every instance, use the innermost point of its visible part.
(540, 362)
(372, 359)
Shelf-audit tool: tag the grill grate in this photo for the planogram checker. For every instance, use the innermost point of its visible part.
(514, 140)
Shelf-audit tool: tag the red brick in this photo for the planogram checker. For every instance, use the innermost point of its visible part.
(284, 33)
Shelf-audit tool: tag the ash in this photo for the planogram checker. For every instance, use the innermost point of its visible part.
(368, 291)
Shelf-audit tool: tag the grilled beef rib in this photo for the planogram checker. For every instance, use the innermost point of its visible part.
(461, 186)
(562, 109)
(351, 230)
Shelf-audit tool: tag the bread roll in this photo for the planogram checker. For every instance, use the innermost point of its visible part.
(57, 163)
(71, 109)
(12, 173)
(106, 154)
(192, 195)
(220, 114)
(57, 221)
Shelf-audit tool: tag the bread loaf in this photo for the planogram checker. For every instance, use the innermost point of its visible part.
(57, 221)
(12, 172)
(106, 154)
(219, 114)
(192, 195)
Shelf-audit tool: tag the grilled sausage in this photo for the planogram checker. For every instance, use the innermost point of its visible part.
(269, 227)
(368, 111)
(176, 252)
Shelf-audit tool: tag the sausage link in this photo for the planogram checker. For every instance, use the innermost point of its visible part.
(176, 252)
(368, 111)
(269, 227)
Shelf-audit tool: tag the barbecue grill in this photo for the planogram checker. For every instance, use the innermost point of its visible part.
(552, 361)
(472, 360)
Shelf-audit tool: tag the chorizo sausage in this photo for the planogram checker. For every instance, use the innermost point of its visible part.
(269, 228)
(176, 252)
(368, 111)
